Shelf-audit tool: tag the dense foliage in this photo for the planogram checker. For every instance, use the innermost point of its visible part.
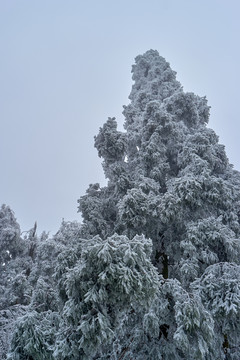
(153, 272)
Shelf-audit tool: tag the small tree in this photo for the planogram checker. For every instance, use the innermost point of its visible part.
(10, 242)
(108, 289)
(14, 293)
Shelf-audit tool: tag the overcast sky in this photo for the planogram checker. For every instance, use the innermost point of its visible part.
(65, 67)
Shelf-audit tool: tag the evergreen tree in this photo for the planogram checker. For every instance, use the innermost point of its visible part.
(109, 285)
(14, 292)
(35, 331)
(170, 179)
(27, 289)
(10, 243)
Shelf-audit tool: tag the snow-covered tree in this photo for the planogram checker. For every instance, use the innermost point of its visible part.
(170, 179)
(10, 242)
(34, 336)
(108, 288)
(14, 292)
(27, 285)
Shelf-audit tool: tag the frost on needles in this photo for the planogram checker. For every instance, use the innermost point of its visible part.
(153, 271)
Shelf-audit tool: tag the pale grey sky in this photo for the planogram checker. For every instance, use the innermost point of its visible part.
(65, 66)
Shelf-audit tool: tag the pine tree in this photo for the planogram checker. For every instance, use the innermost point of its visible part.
(108, 286)
(35, 331)
(27, 289)
(12, 279)
(170, 179)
